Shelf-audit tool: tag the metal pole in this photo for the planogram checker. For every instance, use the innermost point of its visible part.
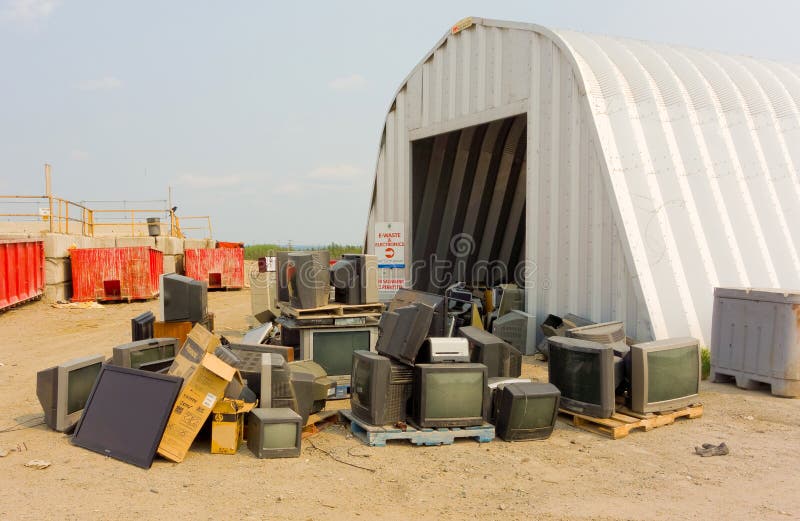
(48, 189)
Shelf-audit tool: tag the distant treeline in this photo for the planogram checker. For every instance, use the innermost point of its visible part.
(254, 251)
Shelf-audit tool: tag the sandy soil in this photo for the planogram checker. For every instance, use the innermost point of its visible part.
(573, 475)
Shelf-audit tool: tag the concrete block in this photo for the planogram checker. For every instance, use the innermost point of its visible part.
(169, 245)
(60, 292)
(173, 264)
(211, 243)
(58, 244)
(195, 244)
(57, 270)
(126, 242)
(104, 241)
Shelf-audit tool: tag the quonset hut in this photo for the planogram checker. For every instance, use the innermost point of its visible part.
(628, 178)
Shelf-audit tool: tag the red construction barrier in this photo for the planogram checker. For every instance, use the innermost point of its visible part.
(115, 273)
(21, 271)
(220, 267)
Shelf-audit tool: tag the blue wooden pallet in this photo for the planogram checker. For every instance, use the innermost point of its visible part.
(378, 436)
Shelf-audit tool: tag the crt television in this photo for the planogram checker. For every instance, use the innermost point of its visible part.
(311, 385)
(526, 411)
(308, 279)
(142, 326)
(584, 373)
(63, 390)
(145, 354)
(500, 358)
(354, 278)
(608, 333)
(274, 433)
(282, 280)
(183, 298)
(126, 414)
(664, 374)
(405, 297)
(518, 328)
(403, 331)
(333, 348)
(380, 388)
(449, 395)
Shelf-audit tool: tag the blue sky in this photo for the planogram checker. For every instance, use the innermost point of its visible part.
(267, 117)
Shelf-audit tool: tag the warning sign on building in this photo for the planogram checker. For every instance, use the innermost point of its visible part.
(390, 244)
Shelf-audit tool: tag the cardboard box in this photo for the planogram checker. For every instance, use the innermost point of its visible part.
(179, 330)
(198, 342)
(227, 425)
(203, 386)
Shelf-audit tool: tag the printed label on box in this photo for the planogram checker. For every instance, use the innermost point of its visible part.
(209, 401)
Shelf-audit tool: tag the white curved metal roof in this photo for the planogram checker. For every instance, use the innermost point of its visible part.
(699, 152)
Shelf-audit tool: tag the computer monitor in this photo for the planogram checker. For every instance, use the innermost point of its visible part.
(333, 348)
(664, 374)
(282, 279)
(380, 388)
(584, 373)
(274, 433)
(499, 357)
(183, 298)
(405, 297)
(607, 333)
(142, 326)
(354, 278)
(126, 414)
(308, 279)
(144, 353)
(63, 390)
(494, 384)
(403, 331)
(449, 395)
(275, 383)
(518, 328)
(250, 366)
(526, 411)
(318, 391)
(511, 297)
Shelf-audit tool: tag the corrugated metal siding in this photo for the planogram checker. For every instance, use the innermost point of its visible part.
(654, 173)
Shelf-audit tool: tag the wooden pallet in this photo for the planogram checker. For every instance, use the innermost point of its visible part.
(375, 436)
(333, 310)
(319, 422)
(624, 421)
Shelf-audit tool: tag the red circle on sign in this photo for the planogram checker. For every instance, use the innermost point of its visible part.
(389, 253)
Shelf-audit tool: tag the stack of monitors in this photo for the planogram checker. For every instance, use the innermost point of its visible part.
(380, 388)
(142, 326)
(252, 367)
(584, 372)
(274, 433)
(526, 411)
(155, 354)
(501, 358)
(64, 389)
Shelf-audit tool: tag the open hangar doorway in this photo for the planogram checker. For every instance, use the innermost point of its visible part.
(468, 191)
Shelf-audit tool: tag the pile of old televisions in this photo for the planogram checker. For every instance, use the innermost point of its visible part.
(421, 378)
(595, 366)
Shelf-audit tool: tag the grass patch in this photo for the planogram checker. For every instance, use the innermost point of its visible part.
(705, 362)
(254, 251)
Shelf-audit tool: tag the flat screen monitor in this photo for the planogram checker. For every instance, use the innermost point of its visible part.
(274, 433)
(144, 352)
(499, 357)
(403, 331)
(142, 326)
(333, 349)
(63, 390)
(308, 279)
(126, 414)
(449, 395)
(608, 333)
(526, 411)
(518, 328)
(405, 297)
(584, 373)
(380, 388)
(183, 298)
(664, 374)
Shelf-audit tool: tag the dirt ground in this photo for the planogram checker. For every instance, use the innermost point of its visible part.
(573, 475)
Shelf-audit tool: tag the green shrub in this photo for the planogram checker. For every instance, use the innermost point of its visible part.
(254, 251)
(705, 359)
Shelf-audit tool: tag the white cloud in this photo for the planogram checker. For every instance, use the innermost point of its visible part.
(79, 155)
(337, 172)
(209, 181)
(104, 83)
(28, 10)
(352, 82)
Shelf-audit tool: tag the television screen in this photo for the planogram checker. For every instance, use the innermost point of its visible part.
(584, 373)
(183, 298)
(79, 385)
(449, 395)
(532, 414)
(334, 349)
(126, 414)
(274, 433)
(63, 390)
(144, 352)
(526, 411)
(664, 374)
(278, 435)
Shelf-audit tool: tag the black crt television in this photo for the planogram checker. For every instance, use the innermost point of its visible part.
(664, 374)
(308, 279)
(405, 297)
(183, 298)
(403, 331)
(346, 279)
(500, 357)
(63, 390)
(526, 411)
(312, 387)
(282, 279)
(274, 433)
(145, 354)
(449, 395)
(142, 326)
(126, 414)
(380, 388)
(584, 372)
